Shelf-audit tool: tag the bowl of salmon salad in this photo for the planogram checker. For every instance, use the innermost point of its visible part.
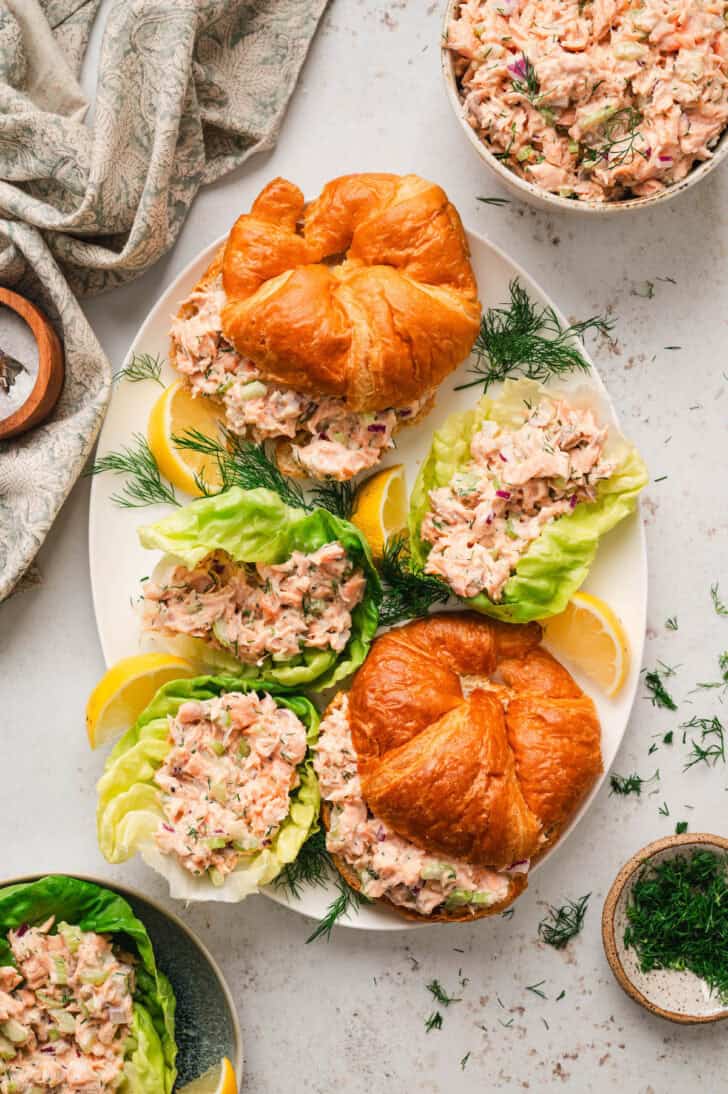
(591, 105)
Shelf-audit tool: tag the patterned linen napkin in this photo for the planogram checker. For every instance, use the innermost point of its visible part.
(187, 90)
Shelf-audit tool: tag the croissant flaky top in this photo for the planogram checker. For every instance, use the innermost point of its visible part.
(366, 293)
(491, 777)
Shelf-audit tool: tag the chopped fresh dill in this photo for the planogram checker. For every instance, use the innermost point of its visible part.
(313, 866)
(630, 784)
(652, 749)
(671, 623)
(536, 989)
(562, 924)
(408, 591)
(464, 1061)
(678, 917)
(528, 84)
(659, 695)
(142, 367)
(440, 995)
(667, 739)
(508, 913)
(723, 682)
(720, 607)
(434, 1021)
(681, 828)
(664, 810)
(524, 339)
(709, 748)
(561, 995)
(506, 1025)
(144, 484)
(337, 497)
(494, 201)
(618, 138)
(662, 478)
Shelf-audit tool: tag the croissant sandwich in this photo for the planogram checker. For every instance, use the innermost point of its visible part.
(325, 327)
(458, 757)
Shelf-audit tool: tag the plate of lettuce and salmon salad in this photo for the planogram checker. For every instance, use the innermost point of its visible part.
(347, 415)
(102, 989)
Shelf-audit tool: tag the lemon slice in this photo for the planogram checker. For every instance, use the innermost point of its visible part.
(380, 507)
(220, 1079)
(174, 413)
(126, 689)
(592, 637)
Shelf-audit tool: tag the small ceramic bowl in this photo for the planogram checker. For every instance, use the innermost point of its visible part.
(206, 1021)
(534, 195)
(669, 993)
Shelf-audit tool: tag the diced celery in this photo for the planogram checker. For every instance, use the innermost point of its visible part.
(243, 749)
(252, 390)
(524, 153)
(218, 748)
(574, 148)
(216, 877)
(60, 971)
(7, 1052)
(94, 976)
(219, 793)
(64, 1021)
(599, 117)
(629, 51)
(72, 935)
(14, 1031)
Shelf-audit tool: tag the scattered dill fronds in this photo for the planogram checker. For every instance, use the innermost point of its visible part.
(494, 201)
(144, 484)
(663, 810)
(527, 84)
(667, 739)
(719, 605)
(681, 828)
(630, 784)
(464, 1061)
(312, 866)
(561, 995)
(678, 917)
(723, 682)
(434, 1021)
(562, 924)
(671, 623)
(506, 1025)
(536, 989)
(408, 591)
(524, 339)
(652, 749)
(440, 995)
(142, 367)
(659, 695)
(337, 497)
(508, 913)
(709, 748)
(617, 140)
(349, 900)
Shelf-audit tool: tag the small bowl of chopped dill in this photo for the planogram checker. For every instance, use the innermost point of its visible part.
(665, 928)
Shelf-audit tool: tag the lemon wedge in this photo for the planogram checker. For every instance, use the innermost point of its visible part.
(126, 689)
(174, 413)
(380, 507)
(591, 636)
(220, 1079)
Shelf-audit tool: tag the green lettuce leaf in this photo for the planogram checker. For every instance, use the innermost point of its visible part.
(557, 563)
(258, 526)
(129, 809)
(151, 1050)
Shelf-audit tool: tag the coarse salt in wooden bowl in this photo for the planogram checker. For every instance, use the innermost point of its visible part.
(49, 379)
(680, 996)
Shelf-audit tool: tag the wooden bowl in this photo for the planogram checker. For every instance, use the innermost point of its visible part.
(679, 996)
(48, 382)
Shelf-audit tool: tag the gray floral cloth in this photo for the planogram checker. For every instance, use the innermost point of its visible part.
(187, 89)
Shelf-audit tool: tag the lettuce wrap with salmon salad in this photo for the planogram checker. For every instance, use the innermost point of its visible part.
(213, 786)
(252, 586)
(515, 494)
(83, 1002)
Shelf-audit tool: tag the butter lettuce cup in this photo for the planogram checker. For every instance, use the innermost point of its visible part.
(213, 786)
(85, 1005)
(251, 586)
(514, 496)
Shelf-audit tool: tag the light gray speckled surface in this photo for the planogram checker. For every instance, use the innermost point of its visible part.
(350, 1015)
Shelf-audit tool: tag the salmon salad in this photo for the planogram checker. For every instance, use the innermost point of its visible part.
(596, 100)
(66, 1010)
(226, 780)
(259, 611)
(327, 439)
(516, 482)
(388, 866)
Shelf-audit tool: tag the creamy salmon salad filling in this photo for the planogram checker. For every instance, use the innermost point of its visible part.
(65, 1011)
(516, 482)
(328, 440)
(387, 865)
(595, 99)
(260, 611)
(226, 780)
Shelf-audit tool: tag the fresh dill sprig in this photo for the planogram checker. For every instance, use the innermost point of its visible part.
(142, 367)
(677, 917)
(664, 810)
(494, 201)
(720, 606)
(434, 1021)
(617, 140)
(671, 623)
(630, 784)
(723, 682)
(349, 900)
(337, 497)
(659, 695)
(528, 84)
(312, 866)
(408, 591)
(536, 989)
(562, 924)
(440, 995)
(144, 484)
(524, 339)
(709, 748)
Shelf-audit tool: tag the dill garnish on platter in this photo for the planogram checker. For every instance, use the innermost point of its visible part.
(144, 484)
(562, 924)
(142, 367)
(313, 866)
(408, 591)
(678, 917)
(523, 339)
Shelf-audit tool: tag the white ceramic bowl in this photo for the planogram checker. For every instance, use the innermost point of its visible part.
(534, 195)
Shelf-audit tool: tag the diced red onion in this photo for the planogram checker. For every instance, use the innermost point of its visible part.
(520, 867)
(665, 159)
(168, 828)
(572, 501)
(22, 929)
(323, 436)
(405, 413)
(519, 68)
(504, 458)
(48, 1049)
(381, 834)
(503, 494)
(377, 427)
